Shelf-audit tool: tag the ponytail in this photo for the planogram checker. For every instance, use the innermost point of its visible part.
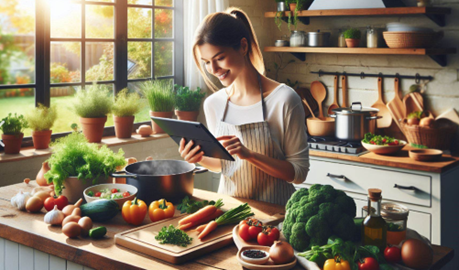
(227, 29)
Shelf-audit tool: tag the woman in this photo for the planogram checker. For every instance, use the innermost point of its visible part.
(259, 121)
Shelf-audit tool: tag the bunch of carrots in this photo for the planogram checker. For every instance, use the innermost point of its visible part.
(204, 215)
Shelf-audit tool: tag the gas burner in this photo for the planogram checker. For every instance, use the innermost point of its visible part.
(333, 145)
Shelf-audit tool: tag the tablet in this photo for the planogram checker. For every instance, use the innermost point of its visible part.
(178, 129)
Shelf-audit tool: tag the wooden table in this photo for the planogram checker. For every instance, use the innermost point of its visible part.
(29, 229)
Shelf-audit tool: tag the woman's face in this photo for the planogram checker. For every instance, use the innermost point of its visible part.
(225, 63)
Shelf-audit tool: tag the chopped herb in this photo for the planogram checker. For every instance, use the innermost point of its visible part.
(190, 206)
(171, 235)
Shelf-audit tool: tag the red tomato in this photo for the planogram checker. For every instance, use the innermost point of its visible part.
(49, 203)
(244, 232)
(368, 263)
(264, 240)
(97, 194)
(396, 142)
(384, 140)
(393, 254)
(273, 233)
(61, 202)
(114, 190)
(126, 194)
(254, 231)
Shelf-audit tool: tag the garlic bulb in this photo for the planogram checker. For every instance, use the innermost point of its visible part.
(54, 217)
(19, 200)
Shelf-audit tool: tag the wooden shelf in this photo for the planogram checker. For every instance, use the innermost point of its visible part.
(437, 54)
(436, 14)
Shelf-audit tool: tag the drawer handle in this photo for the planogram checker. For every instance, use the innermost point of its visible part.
(338, 176)
(405, 187)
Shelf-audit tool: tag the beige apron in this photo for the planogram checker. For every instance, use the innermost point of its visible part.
(242, 179)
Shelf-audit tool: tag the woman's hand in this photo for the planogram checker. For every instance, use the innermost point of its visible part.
(188, 154)
(234, 146)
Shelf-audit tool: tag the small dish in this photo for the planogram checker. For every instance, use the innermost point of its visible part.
(245, 256)
(384, 149)
(281, 43)
(425, 154)
(122, 187)
(269, 265)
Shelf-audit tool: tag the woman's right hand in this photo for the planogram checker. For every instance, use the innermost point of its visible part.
(189, 153)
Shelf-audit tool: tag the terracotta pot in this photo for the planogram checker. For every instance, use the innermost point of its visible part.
(93, 128)
(156, 128)
(292, 6)
(12, 143)
(123, 126)
(41, 138)
(41, 181)
(187, 115)
(352, 42)
(74, 187)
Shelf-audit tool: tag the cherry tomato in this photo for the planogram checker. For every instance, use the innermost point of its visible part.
(114, 190)
(126, 194)
(49, 203)
(372, 142)
(396, 142)
(384, 140)
(273, 233)
(264, 240)
(244, 232)
(61, 202)
(97, 194)
(368, 263)
(254, 231)
(393, 254)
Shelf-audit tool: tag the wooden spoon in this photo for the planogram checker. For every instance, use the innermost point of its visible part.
(386, 119)
(310, 110)
(344, 86)
(319, 93)
(396, 106)
(334, 105)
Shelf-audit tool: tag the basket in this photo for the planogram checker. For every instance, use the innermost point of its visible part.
(436, 138)
(411, 39)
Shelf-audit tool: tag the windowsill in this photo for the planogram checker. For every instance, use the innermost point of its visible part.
(30, 152)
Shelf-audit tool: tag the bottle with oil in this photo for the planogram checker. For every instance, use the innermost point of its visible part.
(374, 227)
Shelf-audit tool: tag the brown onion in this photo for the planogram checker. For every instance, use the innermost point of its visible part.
(281, 252)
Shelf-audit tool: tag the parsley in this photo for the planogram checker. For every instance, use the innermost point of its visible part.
(171, 235)
(190, 206)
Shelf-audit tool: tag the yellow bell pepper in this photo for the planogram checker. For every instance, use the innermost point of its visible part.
(134, 212)
(332, 264)
(161, 209)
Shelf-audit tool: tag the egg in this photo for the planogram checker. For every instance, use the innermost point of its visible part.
(416, 254)
(144, 130)
(85, 224)
(71, 218)
(72, 229)
(34, 204)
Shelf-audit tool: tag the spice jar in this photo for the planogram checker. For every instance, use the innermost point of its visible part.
(341, 39)
(396, 217)
(372, 37)
(298, 39)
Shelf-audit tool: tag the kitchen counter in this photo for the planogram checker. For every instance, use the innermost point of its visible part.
(400, 160)
(29, 230)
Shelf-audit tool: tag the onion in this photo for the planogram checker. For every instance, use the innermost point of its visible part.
(281, 252)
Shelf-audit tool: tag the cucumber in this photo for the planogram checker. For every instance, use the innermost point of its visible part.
(98, 232)
(100, 210)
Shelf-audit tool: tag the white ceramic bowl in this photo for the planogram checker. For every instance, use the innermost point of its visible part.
(384, 149)
(255, 260)
(401, 27)
(122, 187)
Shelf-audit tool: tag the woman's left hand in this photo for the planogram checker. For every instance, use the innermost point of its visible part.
(234, 146)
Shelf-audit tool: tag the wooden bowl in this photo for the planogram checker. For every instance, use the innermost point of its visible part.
(384, 149)
(318, 127)
(425, 154)
(268, 266)
(122, 187)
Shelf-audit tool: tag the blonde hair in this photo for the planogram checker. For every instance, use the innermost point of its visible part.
(227, 29)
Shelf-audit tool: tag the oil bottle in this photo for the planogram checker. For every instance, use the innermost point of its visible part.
(374, 227)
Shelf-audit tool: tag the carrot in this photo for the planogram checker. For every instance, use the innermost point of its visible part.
(203, 220)
(201, 228)
(204, 212)
(208, 229)
(185, 226)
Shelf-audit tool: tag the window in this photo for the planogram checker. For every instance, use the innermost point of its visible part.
(49, 49)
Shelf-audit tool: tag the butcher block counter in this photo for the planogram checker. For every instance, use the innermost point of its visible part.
(29, 230)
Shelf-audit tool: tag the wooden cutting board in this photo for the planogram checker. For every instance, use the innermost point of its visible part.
(142, 239)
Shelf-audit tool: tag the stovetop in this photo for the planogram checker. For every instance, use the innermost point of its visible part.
(331, 144)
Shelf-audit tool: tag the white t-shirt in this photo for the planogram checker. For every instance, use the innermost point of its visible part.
(286, 118)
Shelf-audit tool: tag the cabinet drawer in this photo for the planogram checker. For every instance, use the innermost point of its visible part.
(358, 179)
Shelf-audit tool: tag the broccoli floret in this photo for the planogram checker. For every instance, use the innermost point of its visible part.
(317, 227)
(331, 212)
(317, 241)
(306, 212)
(288, 224)
(345, 227)
(347, 205)
(296, 196)
(304, 200)
(321, 194)
(299, 238)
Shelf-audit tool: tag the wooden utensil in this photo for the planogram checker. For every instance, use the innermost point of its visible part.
(310, 110)
(319, 93)
(410, 104)
(345, 103)
(386, 119)
(396, 107)
(304, 93)
(418, 99)
(335, 104)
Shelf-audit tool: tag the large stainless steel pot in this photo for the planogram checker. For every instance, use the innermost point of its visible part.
(157, 179)
(352, 123)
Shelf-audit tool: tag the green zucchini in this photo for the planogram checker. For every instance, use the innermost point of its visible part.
(100, 210)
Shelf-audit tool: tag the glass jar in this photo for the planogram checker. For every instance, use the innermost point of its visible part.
(396, 216)
(298, 39)
(341, 39)
(372, 37)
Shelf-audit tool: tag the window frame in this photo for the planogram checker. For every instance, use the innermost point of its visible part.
(120, 40)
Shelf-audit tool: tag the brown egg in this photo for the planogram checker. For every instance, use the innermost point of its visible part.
(85, 224)
(416, 254)
(71, 218)
(72, 230)
(34, 204)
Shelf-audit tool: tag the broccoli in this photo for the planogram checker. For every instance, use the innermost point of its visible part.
(296, 197)
(330, 212)
(306, 212)
(345, 227)
(318, 228)
(347, 205)
(299, 239)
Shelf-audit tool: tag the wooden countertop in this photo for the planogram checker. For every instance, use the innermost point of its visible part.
(29, 229)
(399, 160)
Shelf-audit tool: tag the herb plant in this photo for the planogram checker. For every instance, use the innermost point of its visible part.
(186, 99)
(13, 125)
(41, 117)
(352, 33)
(127, 104)
(74, 156)
(171, 235)
(160, 95)
(95, 101)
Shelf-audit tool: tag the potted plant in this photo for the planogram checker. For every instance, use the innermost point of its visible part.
(125, 107)
(40, 120)
(160, 97)
(92, 105)
(77, 164)
(12, 128)
(352, 37)
(187, 102)
(296, 6)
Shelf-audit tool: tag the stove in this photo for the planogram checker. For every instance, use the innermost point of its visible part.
(331, 144)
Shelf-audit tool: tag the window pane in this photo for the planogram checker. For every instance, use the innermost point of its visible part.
(144, 114)
(17, 101)
(163, 23)
(139, 60)
(139, 23)
(99, 21)
(164, 3)
(99, 61)
(17, 45)
(65, 62)
(65, 19)
(140, 2)
(163, 58)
